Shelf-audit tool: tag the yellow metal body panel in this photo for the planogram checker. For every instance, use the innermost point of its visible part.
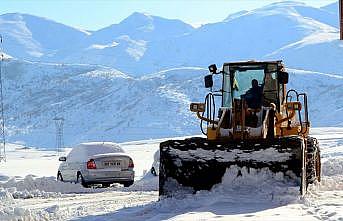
(211, 133)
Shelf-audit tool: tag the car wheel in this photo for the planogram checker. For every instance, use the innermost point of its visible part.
(80, 179)
(128, 183)
(59, 177)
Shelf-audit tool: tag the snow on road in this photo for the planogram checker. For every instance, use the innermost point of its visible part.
(92, 205)
(260, 196)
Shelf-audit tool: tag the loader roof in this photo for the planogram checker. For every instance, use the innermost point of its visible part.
(252, 62)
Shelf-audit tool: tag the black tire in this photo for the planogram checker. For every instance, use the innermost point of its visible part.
(313, 161)
(105, 185)
(80, 179)
(128, 183)
(59, 176)
(318, 166)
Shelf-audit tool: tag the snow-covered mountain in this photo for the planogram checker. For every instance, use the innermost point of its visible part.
(114, 96)
(34, 38)
(142, 43)
(252, 35)
(97, 102)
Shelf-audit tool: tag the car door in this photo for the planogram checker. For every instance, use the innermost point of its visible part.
(68, 174)
(62, 169)
(77, 160)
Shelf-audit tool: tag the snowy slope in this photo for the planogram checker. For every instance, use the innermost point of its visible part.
(30, 37)
(332, 8)
(141, 26)
(101, 103)
(249, 35)
(123, 45)
(319, 52)
(98, 103)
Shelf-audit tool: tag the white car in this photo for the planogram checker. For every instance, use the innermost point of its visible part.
(97, 163)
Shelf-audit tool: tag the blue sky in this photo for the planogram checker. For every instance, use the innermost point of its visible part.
(96, 14)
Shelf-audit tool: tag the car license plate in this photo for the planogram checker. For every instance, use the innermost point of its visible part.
(115, 164)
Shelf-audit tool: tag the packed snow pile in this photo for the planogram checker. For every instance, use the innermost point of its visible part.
(148, 183)
(263, 184)
(5, 196)
(332, 180)
(265, 155)
(249, 193)
(333, 166)
(150, 180)
(31, 186)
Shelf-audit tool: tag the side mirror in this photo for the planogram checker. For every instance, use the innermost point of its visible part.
(62, 159)
(208, 81)
(212, 68)
(282, 77)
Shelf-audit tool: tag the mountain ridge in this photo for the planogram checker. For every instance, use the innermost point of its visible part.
(141, 43)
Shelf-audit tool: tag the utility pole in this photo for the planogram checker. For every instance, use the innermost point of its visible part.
(341, 18)
(59, 121)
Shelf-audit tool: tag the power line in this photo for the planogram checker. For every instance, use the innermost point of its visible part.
(2, 124)
(341, 18)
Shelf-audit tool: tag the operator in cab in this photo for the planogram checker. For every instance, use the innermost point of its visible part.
(253, 96)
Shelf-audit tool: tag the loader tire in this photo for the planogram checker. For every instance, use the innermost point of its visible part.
(313, 165)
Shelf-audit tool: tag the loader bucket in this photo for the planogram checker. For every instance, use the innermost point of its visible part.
(198, 164)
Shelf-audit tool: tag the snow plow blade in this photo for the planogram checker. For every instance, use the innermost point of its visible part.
(198, 164)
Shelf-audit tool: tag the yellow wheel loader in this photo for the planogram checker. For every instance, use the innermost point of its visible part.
(259, 124)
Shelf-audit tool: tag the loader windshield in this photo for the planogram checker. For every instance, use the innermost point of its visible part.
(237, 82)
(242, 82)
(227, 96)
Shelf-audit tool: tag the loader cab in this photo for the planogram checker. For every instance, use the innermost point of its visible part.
(238, 78)
(251, 93)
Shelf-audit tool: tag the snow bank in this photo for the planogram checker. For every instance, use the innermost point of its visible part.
(15, 213)
(8, 209)
(257, 190)
(333, 166)
(332, 176)
(252, 185)
(149, 182)
(5, 196)
(263, 184)
(30, 187)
